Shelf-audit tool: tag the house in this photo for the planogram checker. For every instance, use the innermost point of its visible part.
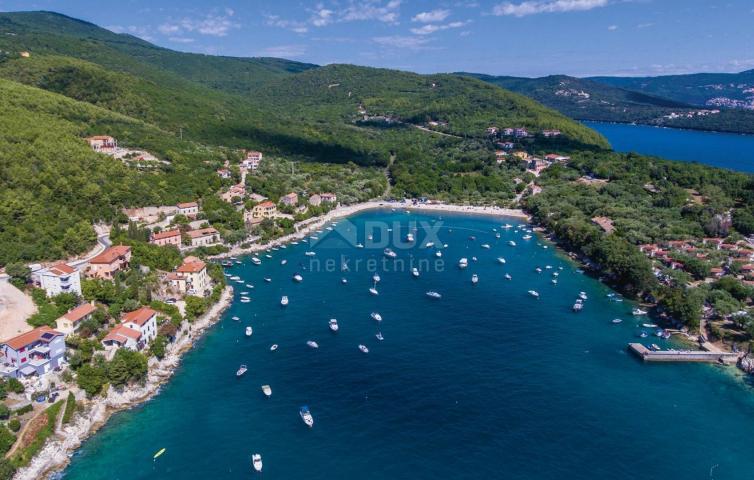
(315, 200)
(536, 164)
(60, 278)
(238, 190)
(521, 154)
(203, 237)
(265, 209)
(252, 160)
(291, 199)
(71, 320)
(507, 145)
(328, 197)
(35, 352)
(136, 330)
(604, 223)
(188, 209)
(500, 156)
(255, 197)
(492, 130)
(191, 278)
(102, 143)
(520, 132)
(122, 336)
(555, 158)
(108, 263)
(224, 173)
(550, 133)
(168, 237)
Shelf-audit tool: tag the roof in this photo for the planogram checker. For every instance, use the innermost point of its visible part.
(202, 232)
(121, 334)
(187, 205)
(111, 254)
(80, 312)
(100, 137)
(290, 195)
(61, 269)
(39, 333)
(140, 316)
(266, 204)
(166, 234)
(192, 266)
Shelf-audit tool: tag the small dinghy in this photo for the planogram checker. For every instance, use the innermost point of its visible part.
(343, 281)
(249, 331)
(534, 293)
(283, 262)
(616, 321)
(273, 347)
(267, 391)
(374, 291)
(438, 254)
(333, 324)
(474, 279)
(235, 319)
(415, 272)
(500, 260)
(298, 277)
(310, 254)
(256, 461)
(312, 344)
(284, 300)
(267, 279)
(508, 277)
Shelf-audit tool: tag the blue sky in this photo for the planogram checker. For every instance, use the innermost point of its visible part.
(516, 37)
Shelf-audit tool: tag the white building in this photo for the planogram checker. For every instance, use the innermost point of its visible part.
(60, 278)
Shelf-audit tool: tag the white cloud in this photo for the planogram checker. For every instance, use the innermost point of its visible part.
(612, 28)
(401, 41)
(276, 21)
(135, 30)
(645, 25)
(181, 40)
(371, 10)
(284, 51)
(433, 16)
(532, 7)
(431, 28)
(212, 24)
(321, 17)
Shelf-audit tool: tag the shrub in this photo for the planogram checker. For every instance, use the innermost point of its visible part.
(7, 439)
(4, 411)
(14, 385)
(25, 409)
(70, 408)
(14, 424)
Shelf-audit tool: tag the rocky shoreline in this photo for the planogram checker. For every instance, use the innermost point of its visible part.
(96, 412)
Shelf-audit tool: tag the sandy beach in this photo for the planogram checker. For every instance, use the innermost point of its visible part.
(308, 226)
(96, 412)
(15, 308)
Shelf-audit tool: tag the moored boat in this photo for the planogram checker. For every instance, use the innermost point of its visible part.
(256, 261)
(284, 300)
(379, 336)
(376, 316)
(463, 263)
(306, 416)
(500, 260)
(534, 293)
(433, 294)
(249, 331)
(273, 347)
(256, 462)
(415, 272)
(363, 348)
(297, 277)
(267, 391)
(474, 279)
(638, 312)
(389, 253)
(312, 344)
(241, 370)
(333, 324)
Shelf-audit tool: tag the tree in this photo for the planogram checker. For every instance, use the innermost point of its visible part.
(19, 274)
(158, 346)
(117, 371)
(7, 439)
(91, 378)
(4, 411)
(195, 306)
(684, 304)
(14, 385)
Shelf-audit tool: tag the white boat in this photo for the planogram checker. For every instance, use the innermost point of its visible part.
(374, 291)
(267, 279)
(245, 300)
(508, 277)
(463, 263)
(306, 416)
(389, 253)
(267, 391)
(273, 347)
(415, 272)
(555, 274)
(312, 344)
(241, 370)
(473, 259)
(554, 281)
(344, 280)
(256, 461)
(333, 324)
(429, 244)
(638, 312)
(363, 348)
(433, 294)
(268, 256)
(526, 237)
(438, 254)
(538, 270)
(409, 237)
(548, 267)
(283, 262)
(284, 300)
(485, 246)
(235, 319)
(310, 254)
(534, 293)
(359, 245)
(578, 306)
(616, 321)
(376, 278)
(379, 336)
(297, 277)
(376, 316)
(500, 260)
(256, 261)
(474, 279)
(507, 226)
(649, 325)
(582, 295)
(497, 235)
(511, 243)
(235, 278)
(248, 285)
(249, 331)
(314, 237)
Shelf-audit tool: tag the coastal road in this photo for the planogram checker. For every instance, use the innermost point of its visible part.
(103, 242)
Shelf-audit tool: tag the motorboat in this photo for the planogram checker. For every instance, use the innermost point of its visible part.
(389, 253)
(376, 316)
(582, 295)
(245, 299)
(486, 246)
(379, 336)
(473, 259)
(548, 267)
(554, 281)
(312, 344)
(578, 306)
(511, 243)
(463, 263)
(256, 261)
(538, 270)
(268, 256)
(363, 348)
(310, 253)
(306, 416)
(643, 334)
(267, 279)
(374, 291)
(359, 245)
(284, 300)
(474, 279)
(438, 254)
(649, 325)
(534, 293)
(616, 321)
(507, 226)
(659, 332)
(409, 237)
(239, 281)
(376, 278)
(343, 280)
(555, 274)
(429, 244)
(235, 278)
(472, 237)
(273, 347)
(497, 235)
(241, 370)
(267, 391)
(249, 331)
(638, 312)
(526, 237)
(415, 272)
(433, 294)
(235, 319)
(283, 261)
(256, 462)
(508, 277)
(500, 260)
(333, 324)
(298, 277)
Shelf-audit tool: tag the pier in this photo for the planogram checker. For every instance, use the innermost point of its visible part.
(682, 355)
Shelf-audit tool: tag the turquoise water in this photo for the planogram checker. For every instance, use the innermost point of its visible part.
(726, 150)
(487, 382)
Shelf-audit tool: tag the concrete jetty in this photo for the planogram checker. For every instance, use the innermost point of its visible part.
(682, 355)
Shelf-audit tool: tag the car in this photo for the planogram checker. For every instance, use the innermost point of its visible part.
(170, 301)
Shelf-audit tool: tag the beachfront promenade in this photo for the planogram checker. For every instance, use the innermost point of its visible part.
(682, 355)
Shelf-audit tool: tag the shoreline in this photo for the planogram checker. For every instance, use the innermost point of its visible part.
(308, 226)
(96, 412)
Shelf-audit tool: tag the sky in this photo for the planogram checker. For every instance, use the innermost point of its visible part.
(499, 37)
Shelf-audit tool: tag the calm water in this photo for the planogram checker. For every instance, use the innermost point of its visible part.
(487, 382)
(725, 150)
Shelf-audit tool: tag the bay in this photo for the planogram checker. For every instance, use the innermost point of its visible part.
(486, 382)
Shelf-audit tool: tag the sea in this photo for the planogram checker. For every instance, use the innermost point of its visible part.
(486, 382)
(725, 150)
